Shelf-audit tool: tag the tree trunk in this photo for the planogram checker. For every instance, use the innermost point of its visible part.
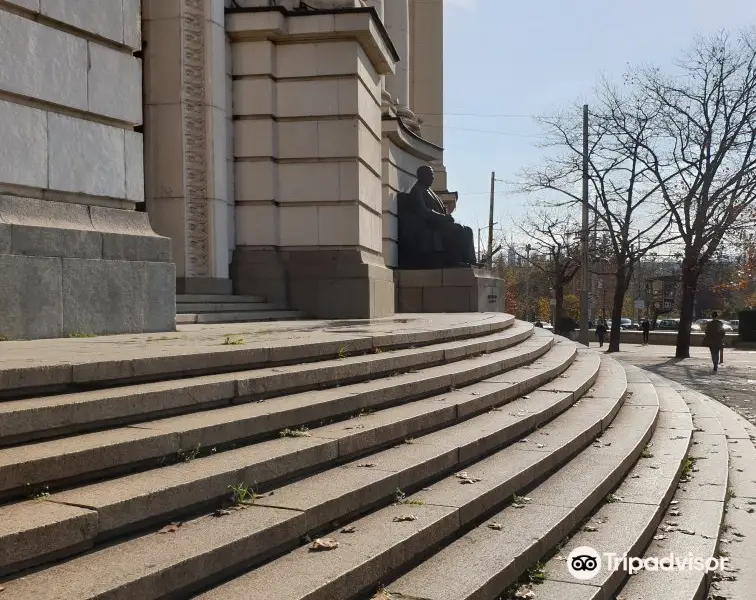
(559, 308)
(689, 288)
(620, 290)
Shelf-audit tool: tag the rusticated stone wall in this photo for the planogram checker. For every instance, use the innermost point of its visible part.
(76, 255)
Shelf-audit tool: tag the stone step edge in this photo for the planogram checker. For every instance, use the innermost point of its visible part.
(529, 421)
(578, 440)
(211, 318)
(142, 444)
(633, 587)
(61, 376)
(161, 400)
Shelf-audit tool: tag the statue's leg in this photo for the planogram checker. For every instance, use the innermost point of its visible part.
(469, 246)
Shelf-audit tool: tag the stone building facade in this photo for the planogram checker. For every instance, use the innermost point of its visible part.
(208, 147)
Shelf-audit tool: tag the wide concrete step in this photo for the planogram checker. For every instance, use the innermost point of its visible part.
(383, 542)
(48, 416)
(693, 526)
(140, 499)
(224, 307)
(154, 443)
(215, 298)
(208, 548)
(251, 316)
(28, 368)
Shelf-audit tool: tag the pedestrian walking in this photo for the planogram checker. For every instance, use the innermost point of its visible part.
(714, 339)
(600, 333)
(646, 330)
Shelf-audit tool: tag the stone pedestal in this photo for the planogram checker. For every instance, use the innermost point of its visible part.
(307, 159)
(76, 255)
(448, 290)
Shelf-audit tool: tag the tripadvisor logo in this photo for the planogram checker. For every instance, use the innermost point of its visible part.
(585, 563)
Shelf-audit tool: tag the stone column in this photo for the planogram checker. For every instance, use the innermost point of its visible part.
(307, 148)
(427, 74)
(396, 20)
(187, 138)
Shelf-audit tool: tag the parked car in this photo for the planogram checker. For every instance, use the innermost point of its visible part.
(626, 323)
(703, 322)
(668, 325)
(735, 325)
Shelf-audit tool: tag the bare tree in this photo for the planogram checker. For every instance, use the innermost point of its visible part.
(627, 207)
(702, 150)
(555, 252)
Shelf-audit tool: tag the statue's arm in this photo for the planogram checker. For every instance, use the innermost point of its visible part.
(420, 207)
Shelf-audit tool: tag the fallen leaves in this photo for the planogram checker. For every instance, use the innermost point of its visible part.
(590, 529)
(323, 545)
(496, 526)
(366, 465)
(404, 518)
(350, 529)
(171, 528)
(525, 591)
(222, 512)
(465, 478)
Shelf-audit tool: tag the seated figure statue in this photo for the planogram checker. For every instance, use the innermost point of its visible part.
(428, 236)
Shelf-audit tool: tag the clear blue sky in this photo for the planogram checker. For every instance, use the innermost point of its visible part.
(531, 57)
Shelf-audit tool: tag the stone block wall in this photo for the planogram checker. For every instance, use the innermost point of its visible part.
(448, 290)
(75, 255)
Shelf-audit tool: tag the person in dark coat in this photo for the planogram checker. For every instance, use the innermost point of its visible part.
(714, 337)
(601, 333)
(646, 330)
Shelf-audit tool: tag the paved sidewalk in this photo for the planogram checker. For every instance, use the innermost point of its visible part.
(734, 384)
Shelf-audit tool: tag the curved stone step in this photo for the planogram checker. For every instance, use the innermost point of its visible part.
(379, 546)
(159, 565)
(738, 538)
(95, 454)
(698, 513)
(43, 417)
(627, 525)
(28, 367)
(496, 559)
(138, 499)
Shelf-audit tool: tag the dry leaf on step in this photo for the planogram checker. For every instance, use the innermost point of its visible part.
(405, 518)
(525, 591)
(170, 528)
(496, 526)
(323, 544)
(350, 529)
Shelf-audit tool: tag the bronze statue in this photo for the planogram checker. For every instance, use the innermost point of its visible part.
(428, 236)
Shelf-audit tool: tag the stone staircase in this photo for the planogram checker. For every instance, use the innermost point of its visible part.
(461, 461)
(217, 308)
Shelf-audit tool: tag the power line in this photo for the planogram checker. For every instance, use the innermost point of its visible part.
(507, 133)
(480, 115)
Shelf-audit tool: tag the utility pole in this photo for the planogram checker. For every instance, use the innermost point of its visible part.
(528, 248)
(489, 260)
(584, 287)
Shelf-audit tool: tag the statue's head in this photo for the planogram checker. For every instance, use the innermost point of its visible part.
(425, 175)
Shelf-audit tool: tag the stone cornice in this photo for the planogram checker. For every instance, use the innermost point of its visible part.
(279, 24)
(400, 135)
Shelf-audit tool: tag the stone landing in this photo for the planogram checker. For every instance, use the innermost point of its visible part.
(448, 291)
